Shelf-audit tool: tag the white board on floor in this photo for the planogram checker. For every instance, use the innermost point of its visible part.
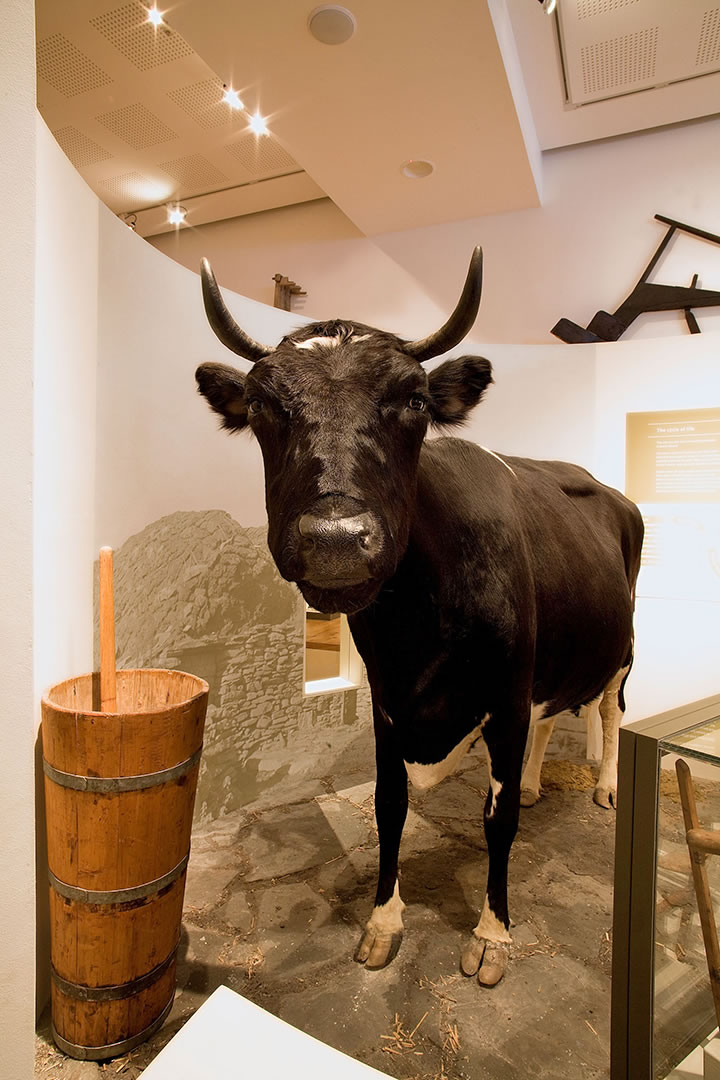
(229, 1038)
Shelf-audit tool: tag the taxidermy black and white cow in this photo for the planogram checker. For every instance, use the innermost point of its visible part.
(483, 592)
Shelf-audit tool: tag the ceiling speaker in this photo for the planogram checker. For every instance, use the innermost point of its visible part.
(331, 24)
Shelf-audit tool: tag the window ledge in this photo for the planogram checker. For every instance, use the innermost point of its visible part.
(329, 686)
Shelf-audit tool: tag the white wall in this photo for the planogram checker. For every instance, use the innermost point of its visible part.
(17, 226)
(66, 329)
(581, 251)
(65, 358)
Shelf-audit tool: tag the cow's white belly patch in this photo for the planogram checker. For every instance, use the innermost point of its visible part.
(423, 777)
(537, 712)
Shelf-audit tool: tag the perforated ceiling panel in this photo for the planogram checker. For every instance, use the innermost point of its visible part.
(607, 65)
(137, 126)
(586, 9)
(261, 156)
(143, 44)
(68, 70)
(194, 173)
(709, 43)
(127, 187)
(79, 148)
(615, 47)
(203, 102)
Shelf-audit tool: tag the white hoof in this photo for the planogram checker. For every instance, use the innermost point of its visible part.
(605, 796)
(377, 949)
(487, 958)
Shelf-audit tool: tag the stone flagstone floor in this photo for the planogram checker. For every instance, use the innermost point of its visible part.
(278, 892)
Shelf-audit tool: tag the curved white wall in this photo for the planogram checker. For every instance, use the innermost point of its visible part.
(17, 221)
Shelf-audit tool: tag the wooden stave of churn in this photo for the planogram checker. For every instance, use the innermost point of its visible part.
(119, 792)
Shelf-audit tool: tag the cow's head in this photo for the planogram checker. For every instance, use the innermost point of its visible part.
(340, 411)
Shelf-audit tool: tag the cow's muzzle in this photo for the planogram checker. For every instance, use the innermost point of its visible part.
(338, 548)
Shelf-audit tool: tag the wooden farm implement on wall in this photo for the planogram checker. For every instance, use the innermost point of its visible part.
(646, 296)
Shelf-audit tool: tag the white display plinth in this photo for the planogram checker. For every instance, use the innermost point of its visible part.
(229, 1037)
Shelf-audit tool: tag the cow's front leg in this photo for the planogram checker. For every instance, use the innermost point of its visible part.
(487, 951)
(383, 930)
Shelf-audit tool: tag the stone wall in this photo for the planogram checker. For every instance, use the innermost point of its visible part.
(197, 592)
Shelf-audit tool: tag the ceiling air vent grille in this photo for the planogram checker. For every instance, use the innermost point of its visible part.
(620, 62)
(68, 70)
(615, 47)
(202, 101)
(79, 148)
(709, 43)
(261, 156)
(586, 9)
(144, 45)
(136, 126)
(194, 172)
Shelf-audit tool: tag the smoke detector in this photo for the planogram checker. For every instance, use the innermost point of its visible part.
(331, 24)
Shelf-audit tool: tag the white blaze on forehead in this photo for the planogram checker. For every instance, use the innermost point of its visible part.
(387, 918)
(490, 926)
(426, 776)
(331, 342)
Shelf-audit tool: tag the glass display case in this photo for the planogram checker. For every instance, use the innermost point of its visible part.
(666, 958)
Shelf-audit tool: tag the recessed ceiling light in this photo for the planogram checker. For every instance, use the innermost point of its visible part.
(154, 16)
(331, 24)
(417, 168)
(258, 124)
(232, 98)
(176, 215)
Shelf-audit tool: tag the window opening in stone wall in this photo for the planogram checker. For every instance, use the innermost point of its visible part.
(331, 659)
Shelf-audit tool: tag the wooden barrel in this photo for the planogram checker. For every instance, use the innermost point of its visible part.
(119, 792)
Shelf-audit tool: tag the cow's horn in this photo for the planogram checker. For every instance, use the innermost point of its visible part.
(222, 321)
(461, 319)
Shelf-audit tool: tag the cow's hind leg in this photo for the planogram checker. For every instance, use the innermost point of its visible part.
(487, 951)
(612, 707)
(383, 930)
(542, 729)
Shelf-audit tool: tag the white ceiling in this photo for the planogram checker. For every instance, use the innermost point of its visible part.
(477, 87)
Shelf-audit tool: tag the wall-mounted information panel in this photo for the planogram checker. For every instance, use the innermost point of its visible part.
(673, 473)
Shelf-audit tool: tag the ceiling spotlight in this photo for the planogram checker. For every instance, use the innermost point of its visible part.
(258, 124)
(154, 16)
(176, 214)
(417, 168)
(331, 24)
(548, 6)
(232, 98)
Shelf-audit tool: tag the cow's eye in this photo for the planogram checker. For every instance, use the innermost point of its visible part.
(417, 402)
(255, 406)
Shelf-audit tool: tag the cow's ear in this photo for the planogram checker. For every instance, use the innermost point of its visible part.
(223, 388)
(456, 387)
